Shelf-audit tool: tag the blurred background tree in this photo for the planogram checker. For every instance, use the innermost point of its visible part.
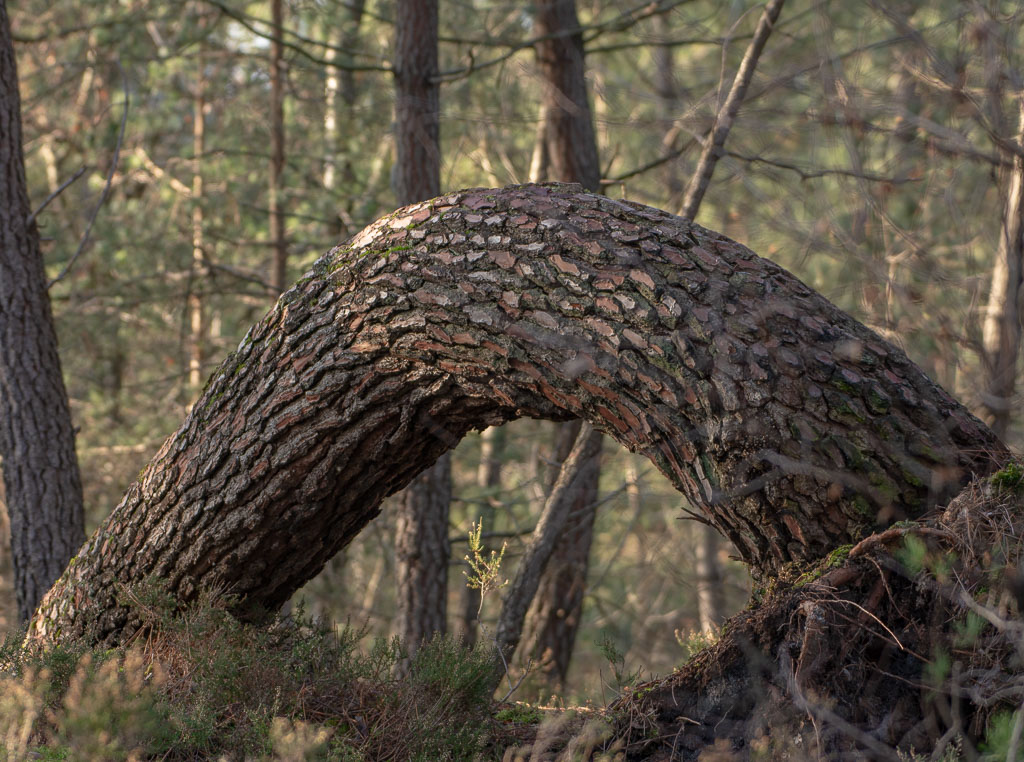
(877, 154)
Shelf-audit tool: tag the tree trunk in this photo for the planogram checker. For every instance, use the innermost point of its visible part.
(791, 425)
(708, 572)
(37, 441)
(279, 267)
(558, 604)
(715, 141)
(421, 574)
(1002, 320)
(422, 552)
(340, 81)
(197, 321)
(669, 98)
(417, 171)
(707, 568)
(568, 125)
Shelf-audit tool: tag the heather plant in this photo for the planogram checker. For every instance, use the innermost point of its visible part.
(200, 684)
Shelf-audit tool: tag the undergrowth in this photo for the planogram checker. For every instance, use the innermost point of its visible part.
(199, 684)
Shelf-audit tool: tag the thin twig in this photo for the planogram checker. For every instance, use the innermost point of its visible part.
(52, 196)
(106, 185)
(591, 32)
(725, 116)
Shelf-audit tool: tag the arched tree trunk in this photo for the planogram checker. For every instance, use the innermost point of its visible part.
(37, 442)
(794, 427)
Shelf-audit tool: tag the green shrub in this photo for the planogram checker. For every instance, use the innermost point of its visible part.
(201, 684)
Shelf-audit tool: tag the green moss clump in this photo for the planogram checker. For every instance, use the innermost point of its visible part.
(519, 714)
(1010, 478)
(863, 506)
(838, 556)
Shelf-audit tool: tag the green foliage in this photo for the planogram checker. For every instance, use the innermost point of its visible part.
(519, 714)
(485, 570)
(838, 557)
(937, 670)
(694, 641)
(913, 554)
(206, 685)
(998, 737)
(1010, 478)
(616, 659)
(968, 630)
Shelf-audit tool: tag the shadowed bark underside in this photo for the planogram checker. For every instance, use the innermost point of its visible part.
(792, 426)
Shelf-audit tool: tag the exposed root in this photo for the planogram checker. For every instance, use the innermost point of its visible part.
(909, 646)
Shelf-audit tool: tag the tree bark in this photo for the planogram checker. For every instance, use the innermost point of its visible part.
(417, 171)
(37, 441)
(791, 425)
(340, 81)
(1002, 329)
(421, 533)
(422, 552)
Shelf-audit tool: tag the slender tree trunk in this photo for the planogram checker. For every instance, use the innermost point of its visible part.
(422, 552)
(571, 155)
(37, 442)
(279, 267)
(562, 500)
(539, 163)
(422, 561)
(197, 321)
(558, 605)
(417, 171)
(792, 426)
(568, 124)
(488, 478)
(708, 571)
(332, 84)
(668, 92)
(1002, 329)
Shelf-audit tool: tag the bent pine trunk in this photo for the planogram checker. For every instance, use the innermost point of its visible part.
(790, 424)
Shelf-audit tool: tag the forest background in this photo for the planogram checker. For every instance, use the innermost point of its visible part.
(873, 156)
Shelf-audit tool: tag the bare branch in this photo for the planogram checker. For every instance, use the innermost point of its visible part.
(52, 196)
(106, 186)
(727, 114)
